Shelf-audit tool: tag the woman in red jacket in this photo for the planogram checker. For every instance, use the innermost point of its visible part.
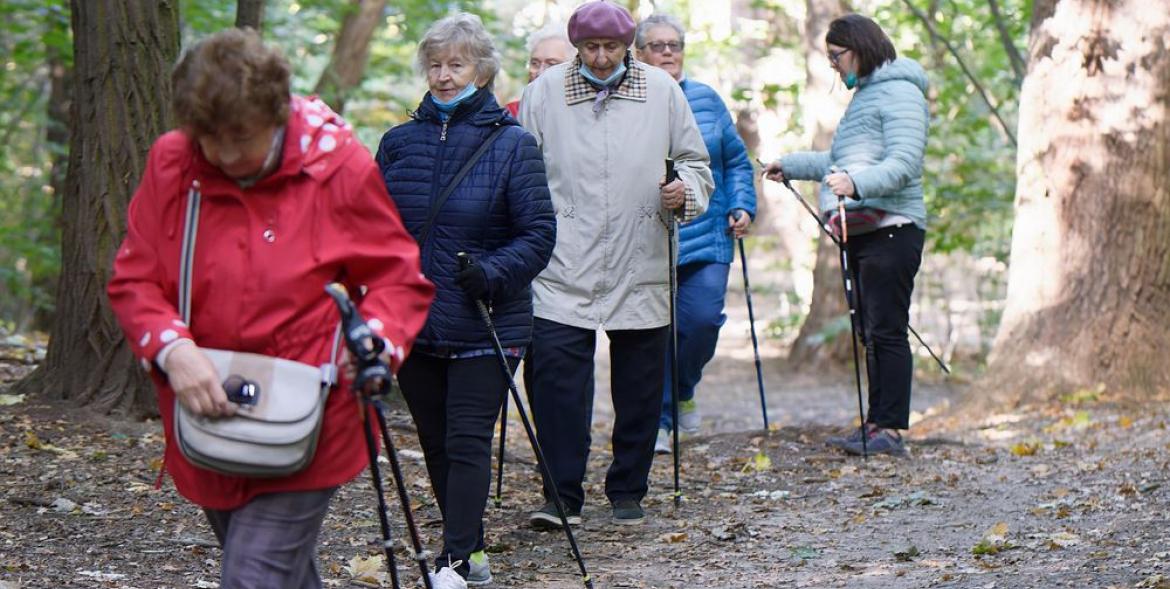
(290, 202)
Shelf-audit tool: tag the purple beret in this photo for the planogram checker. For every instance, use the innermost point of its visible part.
(601, 20)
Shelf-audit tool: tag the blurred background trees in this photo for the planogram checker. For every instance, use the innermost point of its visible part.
(766, 58)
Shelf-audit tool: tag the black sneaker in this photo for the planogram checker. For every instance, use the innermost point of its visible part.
(547, 518)
(627, 512)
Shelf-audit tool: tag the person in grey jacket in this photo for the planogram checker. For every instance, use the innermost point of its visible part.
(875, 164)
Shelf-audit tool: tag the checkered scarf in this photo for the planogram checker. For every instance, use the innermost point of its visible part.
(578, 89)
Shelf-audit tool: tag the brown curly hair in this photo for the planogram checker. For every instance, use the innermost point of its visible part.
(230, 81)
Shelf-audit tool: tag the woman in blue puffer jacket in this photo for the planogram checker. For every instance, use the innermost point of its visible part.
(875, 164)
(501, 214)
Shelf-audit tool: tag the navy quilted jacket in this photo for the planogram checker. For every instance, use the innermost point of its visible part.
(501, 214)
(706, 239)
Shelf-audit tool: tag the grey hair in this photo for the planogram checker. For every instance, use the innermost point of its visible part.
(656, 20)
(464, 33)
(549, 31)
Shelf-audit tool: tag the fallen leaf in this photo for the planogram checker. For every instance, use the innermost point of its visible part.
(906, 554)
(673, 537)
(11, 399)
(367, 570)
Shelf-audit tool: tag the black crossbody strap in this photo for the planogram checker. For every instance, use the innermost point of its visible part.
(438, 204)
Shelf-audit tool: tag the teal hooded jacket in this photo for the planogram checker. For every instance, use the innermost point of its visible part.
(879, 142)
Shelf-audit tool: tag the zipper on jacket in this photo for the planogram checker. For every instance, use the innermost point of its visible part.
(443, 134)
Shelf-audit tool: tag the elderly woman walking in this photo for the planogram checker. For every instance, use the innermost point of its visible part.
(498, 211)
(290, 201)
(706, 244)
(875, 164)
(605, 122)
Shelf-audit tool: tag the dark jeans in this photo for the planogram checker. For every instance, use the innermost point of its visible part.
(701, 291)
(271, 541)
(562, 393)
(455, 404)
(884, 265)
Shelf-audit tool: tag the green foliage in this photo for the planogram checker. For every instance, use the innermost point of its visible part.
(970, 162)
(32, 33)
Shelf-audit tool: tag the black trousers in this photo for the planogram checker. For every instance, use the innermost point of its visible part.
(884, 263)
(561, 380)
(455, 404)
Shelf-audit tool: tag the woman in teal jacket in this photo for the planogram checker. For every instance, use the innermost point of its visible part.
(875, 164)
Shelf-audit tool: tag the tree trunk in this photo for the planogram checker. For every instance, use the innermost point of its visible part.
(350, 53)
(812, 350)
(123, 53)
(57, 136)
(1089, 285)
(250, 13)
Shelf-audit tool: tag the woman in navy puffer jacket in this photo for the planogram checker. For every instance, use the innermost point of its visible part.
(501, 214)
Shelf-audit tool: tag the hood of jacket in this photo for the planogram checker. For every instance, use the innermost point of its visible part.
(900, 69)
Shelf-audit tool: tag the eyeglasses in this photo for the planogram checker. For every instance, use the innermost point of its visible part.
(835, 56)
(660, 46)
(241, 391)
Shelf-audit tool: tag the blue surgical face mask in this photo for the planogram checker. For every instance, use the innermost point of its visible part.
(614, 77)
(851, 80)
(450, 105)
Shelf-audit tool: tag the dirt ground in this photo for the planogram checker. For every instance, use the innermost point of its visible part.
(1070, 494)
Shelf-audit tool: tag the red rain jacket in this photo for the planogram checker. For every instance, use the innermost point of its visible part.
(263, 256)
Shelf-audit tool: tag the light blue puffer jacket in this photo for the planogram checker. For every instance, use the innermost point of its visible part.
(880, 142)
(706, 238)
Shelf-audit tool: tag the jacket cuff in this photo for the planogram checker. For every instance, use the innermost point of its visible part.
(152, 339)
(690, 209)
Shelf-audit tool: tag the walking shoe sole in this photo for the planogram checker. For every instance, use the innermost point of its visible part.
(479, 582)
(548, 521)
(628, 522)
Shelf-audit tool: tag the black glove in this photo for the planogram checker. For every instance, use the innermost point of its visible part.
(473, 280)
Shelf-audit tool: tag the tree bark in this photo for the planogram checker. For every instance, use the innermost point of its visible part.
(1089, 284)
(123, 53)
(250, 14)
(351, 52)
(812, 350)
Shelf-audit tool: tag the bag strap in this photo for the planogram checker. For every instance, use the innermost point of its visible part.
(190, 229)
(438, 204)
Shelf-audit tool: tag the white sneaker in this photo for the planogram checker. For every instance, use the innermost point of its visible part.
(662, 445)
(446, 578)
(688, 417)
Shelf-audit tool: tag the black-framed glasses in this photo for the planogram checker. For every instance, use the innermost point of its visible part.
(241, 391)
(835, 56)
(660, 46)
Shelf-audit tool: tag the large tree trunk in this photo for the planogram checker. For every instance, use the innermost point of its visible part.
(1089, 284)
(350, 53)
(250, 14)
(821, 342)
(123, 53)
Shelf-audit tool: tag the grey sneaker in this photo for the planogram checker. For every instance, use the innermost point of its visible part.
(688, 417)
(627, 512)
(481, 572)
(546, 518)
(854, 436)
(880, 441)
(662, 445)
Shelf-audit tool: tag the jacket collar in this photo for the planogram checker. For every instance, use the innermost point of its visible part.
(481, 109)
(632, 86)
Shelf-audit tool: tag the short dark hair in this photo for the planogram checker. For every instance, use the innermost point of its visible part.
(228, 81)
(868, 42)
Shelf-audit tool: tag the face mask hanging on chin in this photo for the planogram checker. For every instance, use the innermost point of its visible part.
(851, 80)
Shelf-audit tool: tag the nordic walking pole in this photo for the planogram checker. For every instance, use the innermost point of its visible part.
(671, 231)
(465, 261)
(500, 461)
(373, 380)
(747, 291)
(847, 278)
(829, 233)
